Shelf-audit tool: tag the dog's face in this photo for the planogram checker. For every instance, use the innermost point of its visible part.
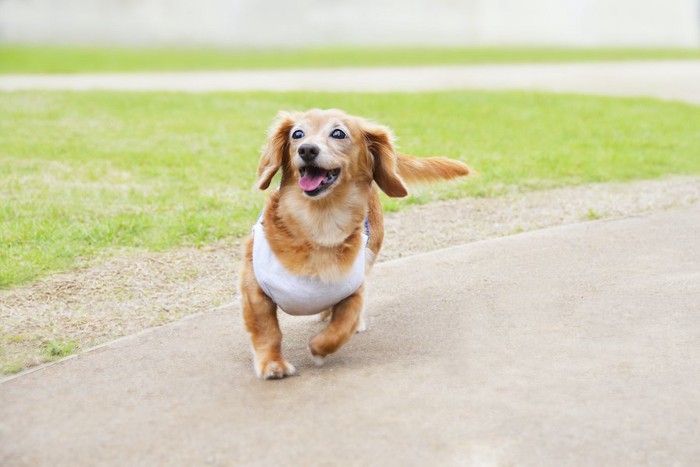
(326, 152)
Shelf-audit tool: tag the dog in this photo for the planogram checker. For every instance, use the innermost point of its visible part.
(322, 229)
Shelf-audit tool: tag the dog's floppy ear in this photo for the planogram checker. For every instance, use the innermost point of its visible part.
(385, 165)
(275, 147)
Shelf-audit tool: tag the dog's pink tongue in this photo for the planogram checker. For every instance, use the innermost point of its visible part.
(311, 181)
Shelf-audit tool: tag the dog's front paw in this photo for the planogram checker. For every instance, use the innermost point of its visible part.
(274, 369)
(317, 358)
(320, 346)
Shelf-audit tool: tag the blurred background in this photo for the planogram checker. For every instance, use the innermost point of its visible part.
(318, 23)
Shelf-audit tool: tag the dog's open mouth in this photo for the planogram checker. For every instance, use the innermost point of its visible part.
(315, 180)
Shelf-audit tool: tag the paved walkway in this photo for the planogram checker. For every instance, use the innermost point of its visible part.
(566, 346)
(676, 80)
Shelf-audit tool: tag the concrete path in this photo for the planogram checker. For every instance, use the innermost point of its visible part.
(676, 80)
(576, 345)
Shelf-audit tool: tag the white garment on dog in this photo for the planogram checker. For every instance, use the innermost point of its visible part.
(301, 295)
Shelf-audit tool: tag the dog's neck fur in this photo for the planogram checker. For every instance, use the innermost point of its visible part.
(323, 222)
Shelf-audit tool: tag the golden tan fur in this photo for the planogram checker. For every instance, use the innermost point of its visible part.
(321, 236)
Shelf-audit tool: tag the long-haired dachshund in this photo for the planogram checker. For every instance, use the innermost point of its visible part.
(321, 231)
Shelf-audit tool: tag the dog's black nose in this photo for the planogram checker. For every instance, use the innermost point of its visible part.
(308, 152)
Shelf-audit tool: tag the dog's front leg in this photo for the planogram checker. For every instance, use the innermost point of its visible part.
(260, 316)
(345, 319)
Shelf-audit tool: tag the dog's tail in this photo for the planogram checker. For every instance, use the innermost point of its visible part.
(430, 169)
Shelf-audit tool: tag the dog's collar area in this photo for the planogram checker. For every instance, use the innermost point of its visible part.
(315, 180)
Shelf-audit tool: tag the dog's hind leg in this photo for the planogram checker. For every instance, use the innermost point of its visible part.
(345, 319)
(362, 325)
(325, 315)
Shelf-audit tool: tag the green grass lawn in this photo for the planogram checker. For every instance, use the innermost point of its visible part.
(83, 174)
(53, 59)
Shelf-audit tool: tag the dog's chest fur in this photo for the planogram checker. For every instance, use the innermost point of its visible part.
(326, 224)
(315, 240)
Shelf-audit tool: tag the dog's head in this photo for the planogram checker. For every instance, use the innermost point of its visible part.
(323, 152)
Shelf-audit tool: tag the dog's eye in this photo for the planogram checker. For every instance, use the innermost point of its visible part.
(338, 134)
(298, 134)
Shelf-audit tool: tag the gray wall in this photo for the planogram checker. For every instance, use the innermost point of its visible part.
(661, 23)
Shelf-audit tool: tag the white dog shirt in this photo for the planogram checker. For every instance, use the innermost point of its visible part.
(301, 295)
